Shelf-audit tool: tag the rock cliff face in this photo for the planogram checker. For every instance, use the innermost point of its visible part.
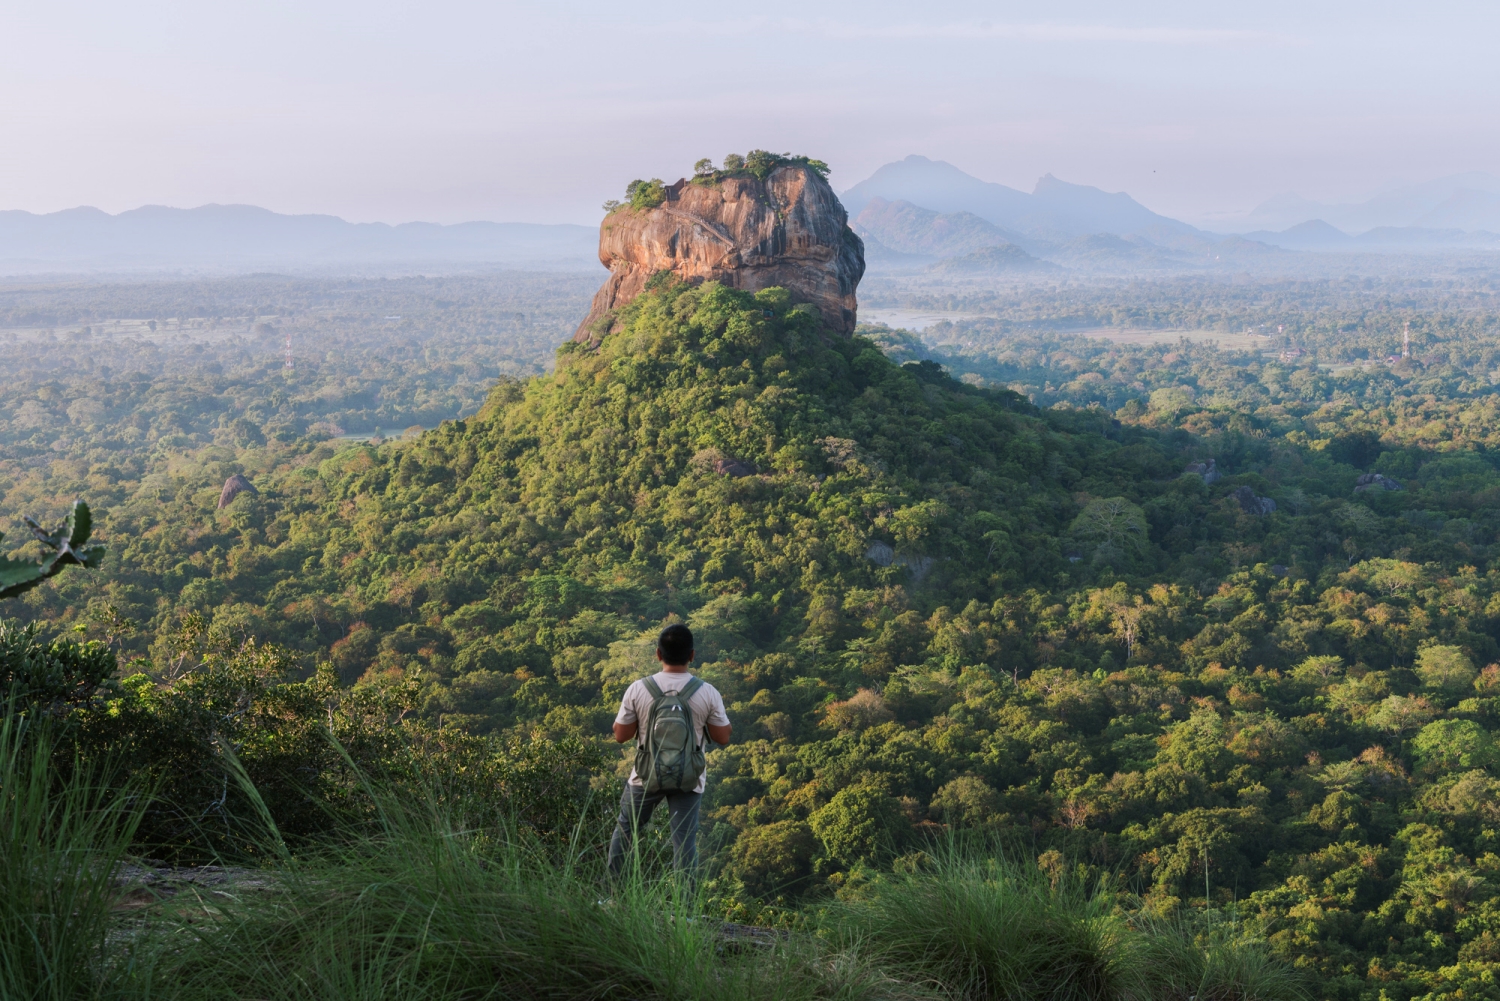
(788, 230)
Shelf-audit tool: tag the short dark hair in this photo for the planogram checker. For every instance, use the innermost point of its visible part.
(675, 644)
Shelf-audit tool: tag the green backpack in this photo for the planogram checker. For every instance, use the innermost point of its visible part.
(669, 755)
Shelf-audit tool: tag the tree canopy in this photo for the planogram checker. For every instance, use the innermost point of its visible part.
(932, 605)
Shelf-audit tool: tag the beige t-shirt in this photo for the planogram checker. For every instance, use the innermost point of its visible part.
(706, 706)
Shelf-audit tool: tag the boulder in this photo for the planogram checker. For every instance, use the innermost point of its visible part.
(233, 487)
(711, 460)
(788, 230)
(1375, 481)
(882, 555)
(1204, 469)
(733, 467)
(1251, 503)
(917, 565)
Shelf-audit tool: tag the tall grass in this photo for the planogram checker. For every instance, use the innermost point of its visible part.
(1206, 960)
(425, 909)
(981, 925)
(62, 838)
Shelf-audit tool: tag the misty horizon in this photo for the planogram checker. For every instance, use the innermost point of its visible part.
(1224, 222)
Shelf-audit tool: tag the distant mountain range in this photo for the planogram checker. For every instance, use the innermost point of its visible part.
(1465, 202)
(925, 214)
(1317, 235)
(1053, 210)
(903, 236)
(917, 210)
(241, 237)
(913, 213)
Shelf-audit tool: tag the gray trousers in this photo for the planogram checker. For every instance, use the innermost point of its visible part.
(636, 808)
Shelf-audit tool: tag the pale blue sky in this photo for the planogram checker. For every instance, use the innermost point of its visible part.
(450, 110)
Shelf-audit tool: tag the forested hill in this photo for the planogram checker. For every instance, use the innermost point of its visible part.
(929, 605)
(724, 460)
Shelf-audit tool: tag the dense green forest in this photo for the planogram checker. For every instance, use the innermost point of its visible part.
(985, 582)
(104, 383)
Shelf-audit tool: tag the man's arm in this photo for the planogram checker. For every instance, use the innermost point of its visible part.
(627, 722)
(717, 723)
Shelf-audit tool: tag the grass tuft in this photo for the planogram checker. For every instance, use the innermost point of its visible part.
(1176, 959)
(984, 927)
(62, 840)
(980, 925)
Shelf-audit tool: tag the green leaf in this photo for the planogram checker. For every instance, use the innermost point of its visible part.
(16, 576)
(80, 524)
(68, 545)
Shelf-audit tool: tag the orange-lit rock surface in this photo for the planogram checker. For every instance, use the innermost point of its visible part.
(788, 230)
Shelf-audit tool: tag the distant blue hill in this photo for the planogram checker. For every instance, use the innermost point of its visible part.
(241, 237)
(1317, 235)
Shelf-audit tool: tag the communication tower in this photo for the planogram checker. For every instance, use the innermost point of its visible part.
(1405, 342)
(288, 365)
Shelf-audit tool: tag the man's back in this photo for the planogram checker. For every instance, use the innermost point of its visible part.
(705, 705)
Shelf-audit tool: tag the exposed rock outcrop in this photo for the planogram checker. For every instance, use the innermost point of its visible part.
(233, 487)
(1205, 469)
(1252, 503)
(882, 555)
(711, 460)
(734, 467)
(788, 230)
(1375, 481)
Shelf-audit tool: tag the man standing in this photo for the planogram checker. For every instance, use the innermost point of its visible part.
(669, 713)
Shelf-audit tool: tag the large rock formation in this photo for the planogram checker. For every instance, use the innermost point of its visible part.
(788, 230)
(233, 487)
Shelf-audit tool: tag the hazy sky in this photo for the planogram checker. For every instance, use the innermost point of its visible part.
(449, 110)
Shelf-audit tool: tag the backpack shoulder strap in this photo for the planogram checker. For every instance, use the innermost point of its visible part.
(686, 694)
(652, 687)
